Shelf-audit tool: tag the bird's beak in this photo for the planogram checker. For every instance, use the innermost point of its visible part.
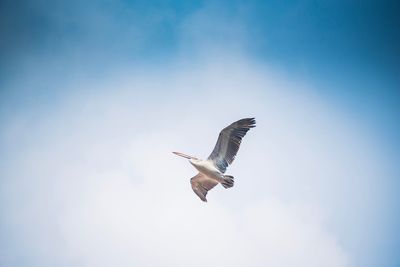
(182, 155)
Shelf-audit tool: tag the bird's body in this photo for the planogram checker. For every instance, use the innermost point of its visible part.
(207, 168)
(211, 170)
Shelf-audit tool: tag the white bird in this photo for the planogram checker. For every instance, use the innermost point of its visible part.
(211, 170)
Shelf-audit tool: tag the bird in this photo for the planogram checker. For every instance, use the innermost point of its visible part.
(211, 170)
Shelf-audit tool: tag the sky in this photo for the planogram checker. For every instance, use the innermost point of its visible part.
(95, 95)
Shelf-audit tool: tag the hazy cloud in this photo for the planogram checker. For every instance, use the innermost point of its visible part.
(95, 182)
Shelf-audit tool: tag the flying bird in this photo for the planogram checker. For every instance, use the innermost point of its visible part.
(211, 170)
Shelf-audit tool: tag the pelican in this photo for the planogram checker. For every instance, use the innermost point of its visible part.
(211, 170)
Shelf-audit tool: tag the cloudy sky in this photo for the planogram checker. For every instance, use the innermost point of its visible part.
(94, 96)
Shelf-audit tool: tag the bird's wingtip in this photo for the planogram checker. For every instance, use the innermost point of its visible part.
(251, 122)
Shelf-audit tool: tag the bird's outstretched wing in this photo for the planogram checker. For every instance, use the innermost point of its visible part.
(229, 141)
(201, 184)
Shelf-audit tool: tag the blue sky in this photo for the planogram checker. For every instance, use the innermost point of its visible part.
(349, 45)
(88, 87)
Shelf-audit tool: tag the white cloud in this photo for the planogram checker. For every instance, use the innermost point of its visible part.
(95, 183)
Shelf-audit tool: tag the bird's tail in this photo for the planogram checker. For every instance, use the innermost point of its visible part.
(228, 181)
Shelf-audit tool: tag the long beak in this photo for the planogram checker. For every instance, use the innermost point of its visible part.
(183, 155)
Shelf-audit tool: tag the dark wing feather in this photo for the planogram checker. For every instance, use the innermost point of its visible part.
(229, 141)
(201, 184)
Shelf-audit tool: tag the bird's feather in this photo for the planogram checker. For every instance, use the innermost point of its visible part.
(201, 184)
(228, 143)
